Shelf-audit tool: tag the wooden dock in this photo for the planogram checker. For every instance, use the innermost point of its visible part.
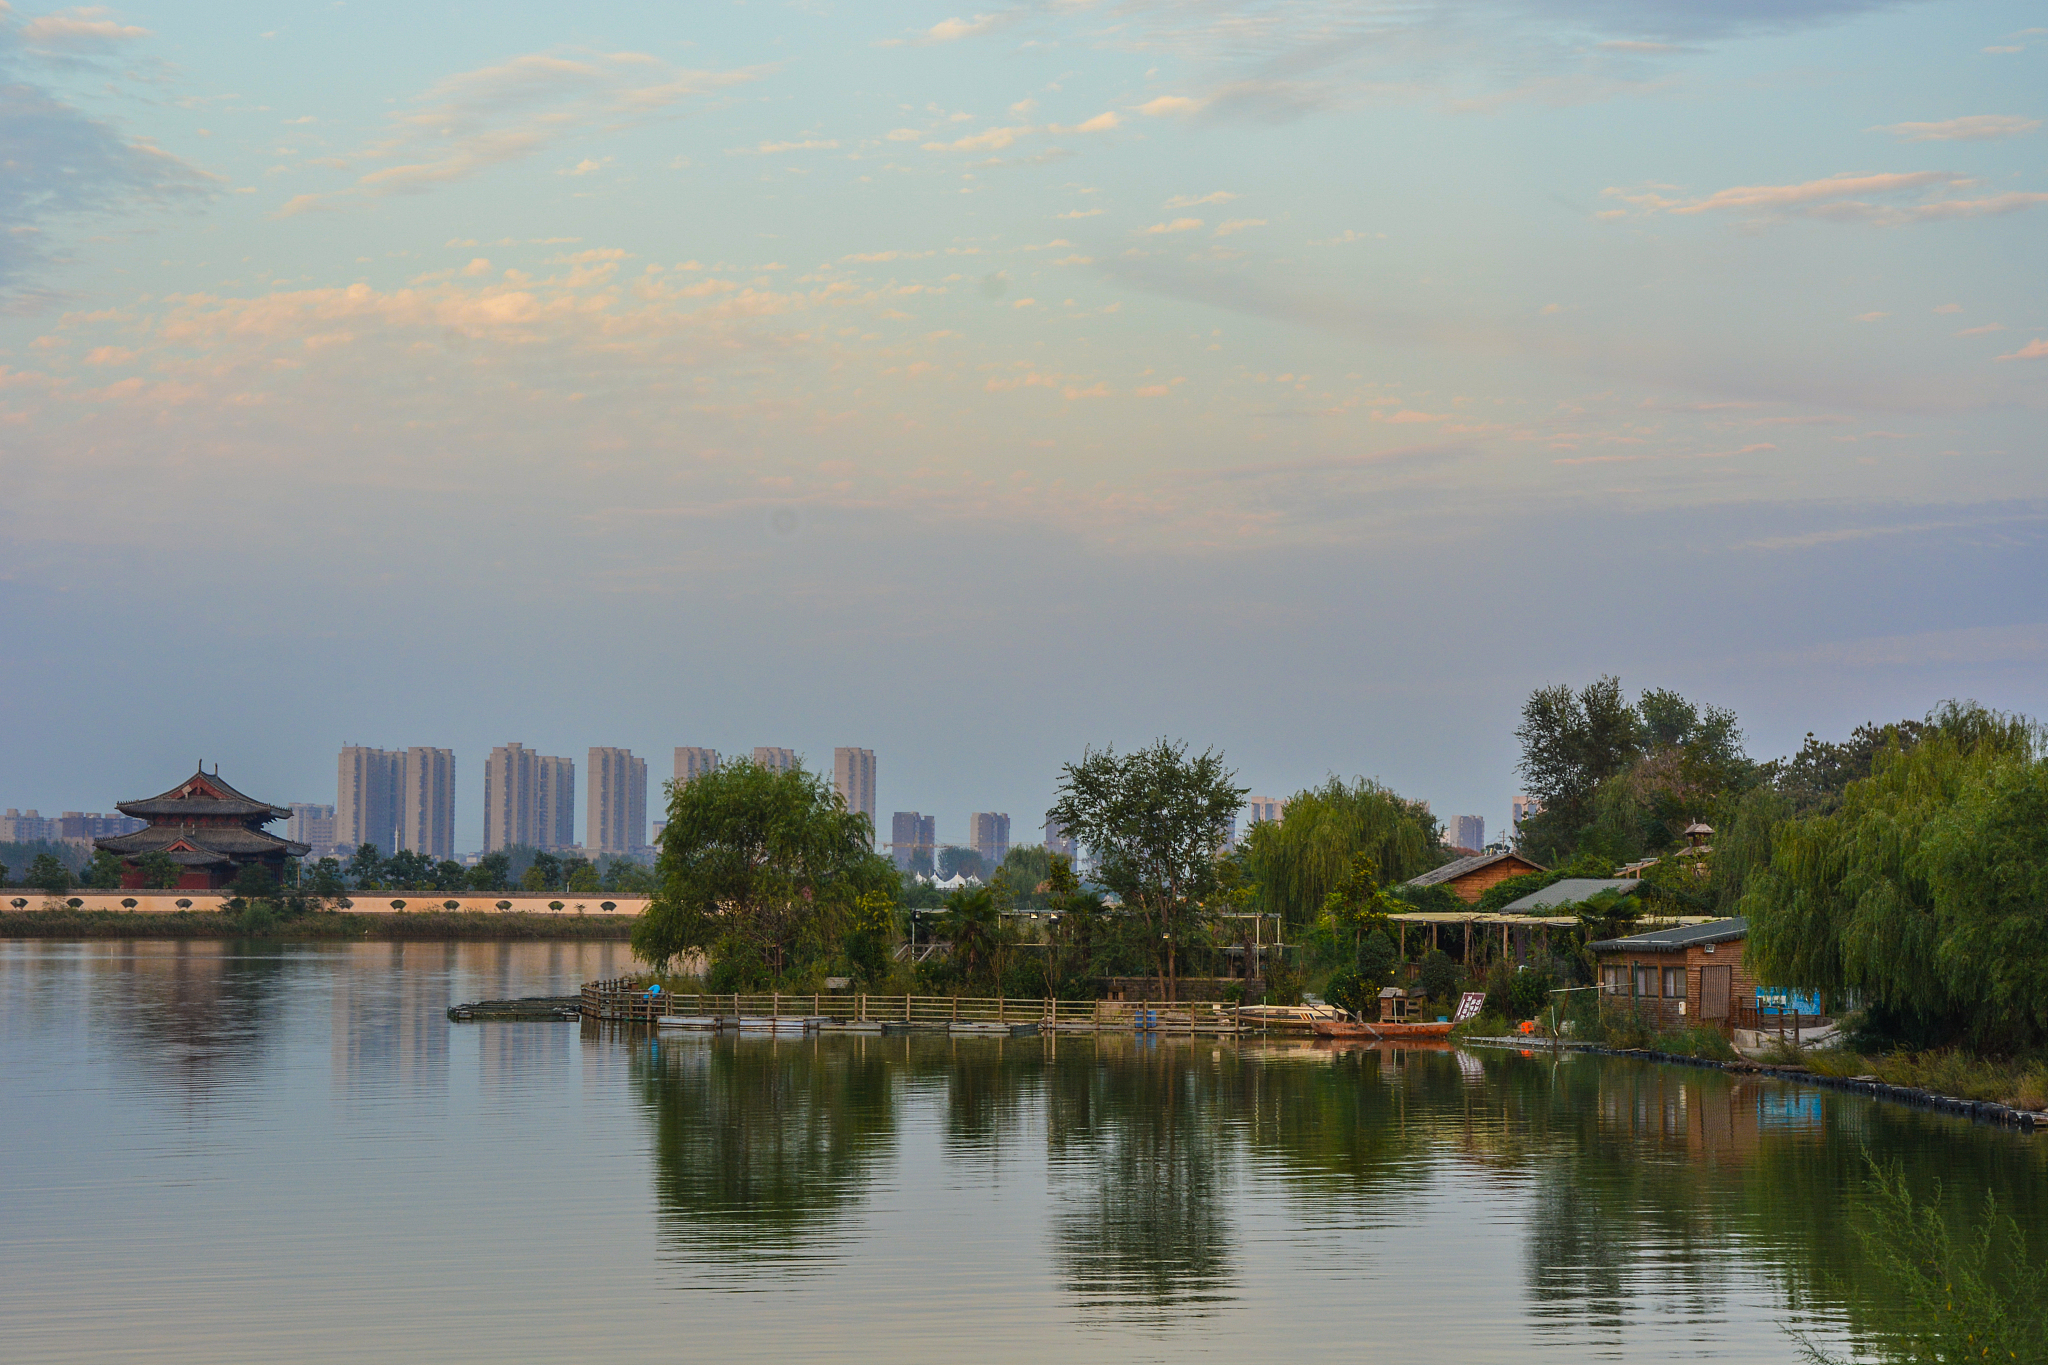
(532, 1008)
(628, 1001)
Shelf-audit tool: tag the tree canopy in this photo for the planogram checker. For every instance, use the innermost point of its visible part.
(1924, 889)
(1297, 862)
(1154, 819)
(760, 870)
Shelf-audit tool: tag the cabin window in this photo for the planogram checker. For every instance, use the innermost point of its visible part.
(1614, 980)
(1674, 983)
(1646, 980)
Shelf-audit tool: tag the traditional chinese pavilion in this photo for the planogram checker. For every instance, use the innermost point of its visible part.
(210, 830)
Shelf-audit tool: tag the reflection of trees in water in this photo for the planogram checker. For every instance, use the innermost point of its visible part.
(1664, 1186)
(762, 1148)
(991, 1089)
(1140, 1146)
(196, 1019)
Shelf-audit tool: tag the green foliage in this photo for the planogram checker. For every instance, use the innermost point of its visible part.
(493, 872)
(253, 882)
(1933, 1294)
(1377, 960)
(763, 870)
(1024, 870)
(583, 878)
(104, 870)
(983, 941)
(1296, 862)
(1503, 893)
(48, 874)
(1436, 899)
(1517, 995)
(955, 861)
(1439, 974)
(1355, 993)
(1357, 903)
(1622, 781)
(366, 868)
(1154, 819)
(1922, 888)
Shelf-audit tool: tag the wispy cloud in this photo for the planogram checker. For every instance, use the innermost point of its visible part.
(778, 148)
(1887, 199)
(470, 123)
(1235, 225)
(2037, 349)
(1188, 201)
(1176, 225)
(1975, 128)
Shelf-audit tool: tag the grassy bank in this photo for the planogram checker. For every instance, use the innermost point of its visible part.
(2019, 1083)
(1613, 1029)
(425, 926)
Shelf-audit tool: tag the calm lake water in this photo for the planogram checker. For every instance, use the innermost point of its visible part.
(226, 1153)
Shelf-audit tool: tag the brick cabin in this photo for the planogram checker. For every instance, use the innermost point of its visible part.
(1469, 877)
(1687, 975)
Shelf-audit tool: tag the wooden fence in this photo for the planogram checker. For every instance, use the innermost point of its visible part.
(627, 1001)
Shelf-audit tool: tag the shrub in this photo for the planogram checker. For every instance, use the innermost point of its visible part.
(504, 905)
(1353, 991)
(1517, 994)
(1439, 975)
(1284, 983)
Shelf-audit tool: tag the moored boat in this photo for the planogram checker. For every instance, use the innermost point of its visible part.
(1351, 1028)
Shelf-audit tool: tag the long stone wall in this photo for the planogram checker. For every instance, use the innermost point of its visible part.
(357, 902)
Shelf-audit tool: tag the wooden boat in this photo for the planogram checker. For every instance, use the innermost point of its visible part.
(1351, 1028)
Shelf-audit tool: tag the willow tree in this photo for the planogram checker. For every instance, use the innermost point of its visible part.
(1914, 893)
(1298, 861)
(760, 870)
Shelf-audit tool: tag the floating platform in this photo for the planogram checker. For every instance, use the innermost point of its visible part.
(529, 1009)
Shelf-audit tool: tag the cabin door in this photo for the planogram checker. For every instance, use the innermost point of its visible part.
(1714, 992)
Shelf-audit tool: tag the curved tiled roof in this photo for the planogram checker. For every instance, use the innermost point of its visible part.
(222, 839)
(202, 794)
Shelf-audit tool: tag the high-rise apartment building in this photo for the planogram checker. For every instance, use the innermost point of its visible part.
(853, 774)
(529, 798)
(913, 841)
(1470, 832)
(1520, 809)
(312, 826)
(426, 802)
(1057, 840)
(988, 833)
(556, 818)
(1258, 809)
(774, 760)
(616, 803)
(692, 764)
(368, 798)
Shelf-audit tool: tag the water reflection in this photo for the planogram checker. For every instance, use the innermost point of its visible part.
(192, 1022)
(762, 1147)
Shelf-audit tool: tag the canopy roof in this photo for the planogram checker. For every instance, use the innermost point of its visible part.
(1570, 891)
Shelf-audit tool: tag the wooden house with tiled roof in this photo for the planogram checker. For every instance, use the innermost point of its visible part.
(1469, 877)
(210, 830)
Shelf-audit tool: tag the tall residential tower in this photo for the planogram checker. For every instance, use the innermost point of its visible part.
(616, 802)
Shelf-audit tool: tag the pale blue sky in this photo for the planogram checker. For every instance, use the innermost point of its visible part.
(1311, 379)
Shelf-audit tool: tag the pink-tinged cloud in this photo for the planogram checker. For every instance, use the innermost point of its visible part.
(1975, 128)
(2037, 349)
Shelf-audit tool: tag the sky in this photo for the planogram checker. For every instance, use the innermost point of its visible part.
(1310, 379)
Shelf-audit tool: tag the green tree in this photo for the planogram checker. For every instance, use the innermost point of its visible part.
(160, 872)
(408, 870)
(366, 868)
(955, 861)
(1154, 819)
(493, 872)
(1357, 904)
(1884, 894)
(544, 873)
(324, 879)
(758, 866)
(980, 937)
(1295, 862)
(48, 874)
(103, 871)
(582, 878)
(253, 882)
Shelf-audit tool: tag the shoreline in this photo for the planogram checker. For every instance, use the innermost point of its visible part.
(326, 926)
(1977, 1111)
